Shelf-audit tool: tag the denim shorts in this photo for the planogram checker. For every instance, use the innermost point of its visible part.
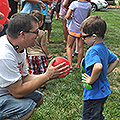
(92, 109)
(12, 108)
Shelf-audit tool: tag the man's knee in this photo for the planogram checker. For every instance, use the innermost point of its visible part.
(26, 117)
(39, 103)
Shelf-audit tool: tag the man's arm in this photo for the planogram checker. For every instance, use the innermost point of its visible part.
(30, 83)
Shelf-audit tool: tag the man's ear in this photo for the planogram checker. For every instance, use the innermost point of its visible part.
(22, 34)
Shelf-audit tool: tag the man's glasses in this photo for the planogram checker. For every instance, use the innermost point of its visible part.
(84, 36)
(33, 32)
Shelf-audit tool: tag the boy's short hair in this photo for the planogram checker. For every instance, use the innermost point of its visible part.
(37, 14)
(94, 25)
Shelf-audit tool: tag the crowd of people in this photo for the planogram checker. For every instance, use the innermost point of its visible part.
(24, 55)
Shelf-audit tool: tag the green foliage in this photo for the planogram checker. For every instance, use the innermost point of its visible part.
(63, 97)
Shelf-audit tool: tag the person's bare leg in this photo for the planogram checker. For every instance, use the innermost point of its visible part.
(57, 16)
(48, 35)
(70, 42)
(64, 22)
(76, 49)
(80, 52)
(73, 48)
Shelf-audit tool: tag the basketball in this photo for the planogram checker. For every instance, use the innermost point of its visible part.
(59, 60)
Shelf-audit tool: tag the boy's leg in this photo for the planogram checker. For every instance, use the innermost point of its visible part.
(92, 109)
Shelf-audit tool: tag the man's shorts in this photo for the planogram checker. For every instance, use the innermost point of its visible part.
(37, 64)
(12, 108)
(74, 34)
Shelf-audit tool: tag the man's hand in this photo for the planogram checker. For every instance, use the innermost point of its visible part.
(55, 72)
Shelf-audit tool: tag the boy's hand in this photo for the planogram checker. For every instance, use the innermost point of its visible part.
(94, 75)
(86, 78)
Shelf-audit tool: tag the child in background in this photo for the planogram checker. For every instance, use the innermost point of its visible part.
(80, 9)
(48, 22)
(38, 54)
(99, 61)
(62, 13)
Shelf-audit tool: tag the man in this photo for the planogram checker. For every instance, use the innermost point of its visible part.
(18, 94)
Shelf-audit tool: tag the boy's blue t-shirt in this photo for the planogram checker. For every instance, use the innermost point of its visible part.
(28, 7)
(98, 53)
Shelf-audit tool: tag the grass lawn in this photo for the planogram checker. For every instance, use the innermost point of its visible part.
(63, 97)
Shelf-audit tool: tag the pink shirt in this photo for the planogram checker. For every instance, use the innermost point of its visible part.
(63, 10)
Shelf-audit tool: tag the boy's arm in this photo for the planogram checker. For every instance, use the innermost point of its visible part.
(68, 14)
(112, 66)
(95, 74)
(44, 47)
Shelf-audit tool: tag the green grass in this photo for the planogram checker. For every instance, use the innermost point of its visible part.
(63, 97)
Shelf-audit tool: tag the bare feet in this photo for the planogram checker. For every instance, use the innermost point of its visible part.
(49, 56)
(49, 41)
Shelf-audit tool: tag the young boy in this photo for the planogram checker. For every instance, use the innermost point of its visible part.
(48, 22)
(38, 54)
(99, 61)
